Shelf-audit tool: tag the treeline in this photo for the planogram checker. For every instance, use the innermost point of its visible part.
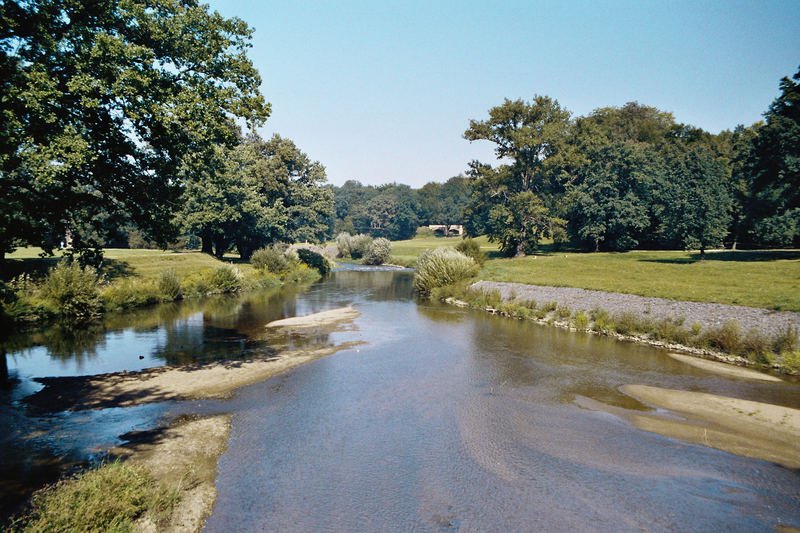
(395, 211)
(126, 124)
(632, 177)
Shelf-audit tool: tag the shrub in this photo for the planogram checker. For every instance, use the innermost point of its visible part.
(314, 260)
(359, 244)
(424, 231)
(471, 248)
(695, 329)
(628, 323)
(344, 243)
(169, 285)
(73, 291)
(271, 259)
(563, 311)
(580, 320)
(440, 267)
(378, 252)
(110, 497)
(786, 341)
(225, 279)
(754, 344)
(726, 338)
(791, 362)
(601, 319)
(549, 307)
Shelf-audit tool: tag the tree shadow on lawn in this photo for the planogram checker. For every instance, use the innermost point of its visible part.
(740, 256)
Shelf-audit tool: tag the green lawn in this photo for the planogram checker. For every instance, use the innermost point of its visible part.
(123, 262)
(768, 279)
(406, 252)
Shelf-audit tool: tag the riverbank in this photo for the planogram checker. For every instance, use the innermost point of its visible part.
(182, 457)
(732, 334)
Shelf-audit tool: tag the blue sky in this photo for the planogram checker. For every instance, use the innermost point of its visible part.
(383, 91)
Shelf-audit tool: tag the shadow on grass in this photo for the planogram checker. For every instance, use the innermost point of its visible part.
(740, 256)
(116, 268)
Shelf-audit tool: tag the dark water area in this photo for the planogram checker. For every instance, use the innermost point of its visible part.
(442, 420)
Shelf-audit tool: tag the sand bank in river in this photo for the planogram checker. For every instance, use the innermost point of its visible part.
(742, 427)
(182, 456)
(324, 318)
(207, 380)
(724, 368)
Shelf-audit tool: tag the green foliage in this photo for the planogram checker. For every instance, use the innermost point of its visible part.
(423, 231)
(224, 279)
(549, 307)
(314, 260)
(379, 251)
(791, 362)
(580, 320)
(359, 244)
(169, 285)
(103, 103)
(73, 291)
(627, 323)
(271, 259)
(695, 329)
(110, 497)
(694, 202)
(130, 293)
(440, 267)
(471, 248)
(785, 341)
(563, 311)
(726, 338)
(755, 345)
(343, 241)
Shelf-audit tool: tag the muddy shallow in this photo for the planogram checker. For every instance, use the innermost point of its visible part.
(447, 420)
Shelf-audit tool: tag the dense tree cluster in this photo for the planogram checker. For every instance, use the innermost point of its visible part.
(629, 177)
(395, 211)
(121, 124)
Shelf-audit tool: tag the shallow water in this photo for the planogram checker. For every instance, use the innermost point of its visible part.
(444, 420)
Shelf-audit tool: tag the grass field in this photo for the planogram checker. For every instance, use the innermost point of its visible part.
(123, 262)
(406, 252)
(768, 279)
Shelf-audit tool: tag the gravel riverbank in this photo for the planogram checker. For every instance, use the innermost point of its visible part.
(708, 315)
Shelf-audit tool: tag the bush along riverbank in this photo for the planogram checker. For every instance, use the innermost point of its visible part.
(729, 341)
(78, 295)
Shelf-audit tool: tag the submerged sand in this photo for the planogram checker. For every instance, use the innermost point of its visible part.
(742, 427)
(208, 380)
(723, 369)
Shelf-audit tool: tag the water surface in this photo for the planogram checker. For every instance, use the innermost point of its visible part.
(443, 420)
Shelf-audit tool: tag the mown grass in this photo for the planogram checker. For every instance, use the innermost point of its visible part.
(406, 252)
(111, 497)
(768, 279)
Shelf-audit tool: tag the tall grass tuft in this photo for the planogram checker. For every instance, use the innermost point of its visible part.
(169, 285)
(110, 497)
(440, 267)
(225, 279)
(726, 338)
(73, 291)
(785, 341)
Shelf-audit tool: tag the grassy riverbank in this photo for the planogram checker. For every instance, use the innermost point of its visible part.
(127, 279)
(768, 279)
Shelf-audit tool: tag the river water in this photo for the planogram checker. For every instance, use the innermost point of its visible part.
(442, 419)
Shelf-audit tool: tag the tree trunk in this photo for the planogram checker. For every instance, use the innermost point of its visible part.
(220, 246)
(3, 368)
(597, 245)
(702, 254)
(207, 244)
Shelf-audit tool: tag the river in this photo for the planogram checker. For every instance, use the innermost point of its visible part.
(442, 419)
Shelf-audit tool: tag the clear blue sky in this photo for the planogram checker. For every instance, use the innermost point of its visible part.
(383, 91)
